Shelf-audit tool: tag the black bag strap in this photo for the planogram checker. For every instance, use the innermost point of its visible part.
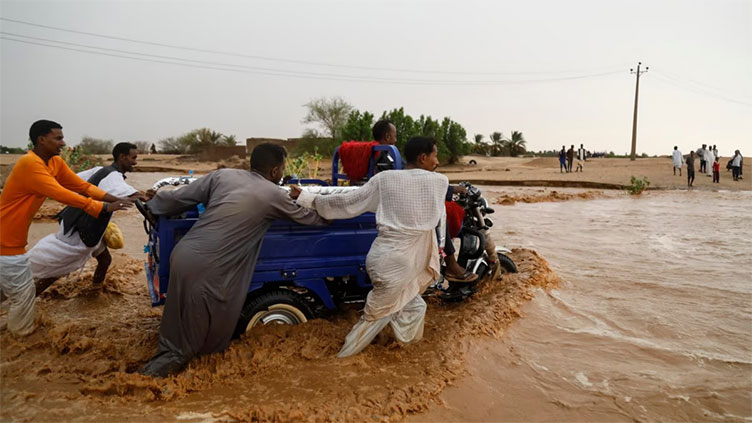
(69, 215)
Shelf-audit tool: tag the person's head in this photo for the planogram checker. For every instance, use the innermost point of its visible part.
(676, 148)
(47, 137)
(421, 152)
(563, 147)
(582, 146)
(703, 146)
(736, 153)
(125, 156)
(717, 158)
(691, 154)
(269, 160)
(385, 132)
(572, 147)
(714, 147)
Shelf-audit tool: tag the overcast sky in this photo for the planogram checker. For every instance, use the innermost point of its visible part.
(556, 70)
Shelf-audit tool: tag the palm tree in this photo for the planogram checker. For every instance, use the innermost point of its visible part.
(478, 138)
(229, 140)
(515, 144)
(497, 140)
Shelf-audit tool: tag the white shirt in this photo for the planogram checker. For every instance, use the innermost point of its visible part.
(678, 158)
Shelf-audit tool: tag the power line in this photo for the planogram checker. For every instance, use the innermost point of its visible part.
(274, 59)
(666, 79)
(124, 54)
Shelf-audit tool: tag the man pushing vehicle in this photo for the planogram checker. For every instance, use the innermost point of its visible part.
(212, 265)
(403, 260)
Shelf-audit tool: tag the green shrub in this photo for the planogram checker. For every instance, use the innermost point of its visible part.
(79, 161)
(637, 186)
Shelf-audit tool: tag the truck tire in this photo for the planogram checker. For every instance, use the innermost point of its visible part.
(274, 307)
(507, 265)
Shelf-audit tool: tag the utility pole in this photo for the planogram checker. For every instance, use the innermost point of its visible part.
(638, 72)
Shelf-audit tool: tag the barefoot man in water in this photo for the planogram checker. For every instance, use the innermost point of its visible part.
(39, 174)
(404, 259)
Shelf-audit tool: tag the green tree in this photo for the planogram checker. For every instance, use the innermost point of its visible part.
(229, 140)
(12, 150)
(89, 145)
(329, 113)
(497, 143)
(173, 145)
(478, 138)
(452, 141)
(515, 144)
(358, 127)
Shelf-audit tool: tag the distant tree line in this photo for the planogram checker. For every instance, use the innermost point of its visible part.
(195, 141)
(499, 145)
(342, 122)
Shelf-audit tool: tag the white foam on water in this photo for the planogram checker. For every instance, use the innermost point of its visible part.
(583, 379)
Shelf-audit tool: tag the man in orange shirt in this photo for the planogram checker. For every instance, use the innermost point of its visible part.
(39, 174)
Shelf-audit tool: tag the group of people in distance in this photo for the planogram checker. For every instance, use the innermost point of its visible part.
(567, 157)
(710, 163)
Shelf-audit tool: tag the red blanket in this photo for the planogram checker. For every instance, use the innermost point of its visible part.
(455, 214)
(355, 156)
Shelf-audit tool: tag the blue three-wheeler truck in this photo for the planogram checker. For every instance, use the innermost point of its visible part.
(302, 271)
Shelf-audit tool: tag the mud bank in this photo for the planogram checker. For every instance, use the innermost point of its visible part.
(541, 183)
(79, 364)
(546, 196)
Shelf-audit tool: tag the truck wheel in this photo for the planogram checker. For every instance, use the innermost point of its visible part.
(507, 265)
(280, 307)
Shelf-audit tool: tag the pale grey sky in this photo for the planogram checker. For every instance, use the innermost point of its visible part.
(527, 55)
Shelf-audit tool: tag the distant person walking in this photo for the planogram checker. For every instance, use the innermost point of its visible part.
(678, 160)
(570, 158)
(691, 168)
(741, 164)
(736, 164)
(563, 159)
(580, 158)
(717, 171)
(701, 153)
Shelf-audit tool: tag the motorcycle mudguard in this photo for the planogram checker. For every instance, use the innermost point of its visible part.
(503, 250)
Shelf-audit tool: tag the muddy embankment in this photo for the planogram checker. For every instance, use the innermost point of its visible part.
(80, 363)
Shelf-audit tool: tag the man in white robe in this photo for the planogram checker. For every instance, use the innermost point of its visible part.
(403, 260)
(678, 160)
(61, 253)
(709, 160)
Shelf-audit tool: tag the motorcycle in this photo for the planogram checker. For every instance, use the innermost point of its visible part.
(477, 247)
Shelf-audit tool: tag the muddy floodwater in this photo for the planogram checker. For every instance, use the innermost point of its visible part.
(652, 320)
(625, 309)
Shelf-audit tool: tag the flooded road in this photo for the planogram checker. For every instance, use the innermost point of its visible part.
(652, 321)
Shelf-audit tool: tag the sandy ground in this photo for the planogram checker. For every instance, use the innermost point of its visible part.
(599, 173)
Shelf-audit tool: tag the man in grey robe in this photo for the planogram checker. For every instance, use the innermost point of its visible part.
(212, 265)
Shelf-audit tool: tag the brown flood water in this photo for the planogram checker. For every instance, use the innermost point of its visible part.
(79, 364)
(652, 320)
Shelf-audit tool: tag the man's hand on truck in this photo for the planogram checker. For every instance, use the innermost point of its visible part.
(295, 191)
(119, 204)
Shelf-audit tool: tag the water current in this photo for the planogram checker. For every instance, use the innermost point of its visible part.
(652, 320)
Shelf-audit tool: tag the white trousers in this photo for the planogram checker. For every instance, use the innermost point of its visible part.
(18, 285)
(407, 325)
